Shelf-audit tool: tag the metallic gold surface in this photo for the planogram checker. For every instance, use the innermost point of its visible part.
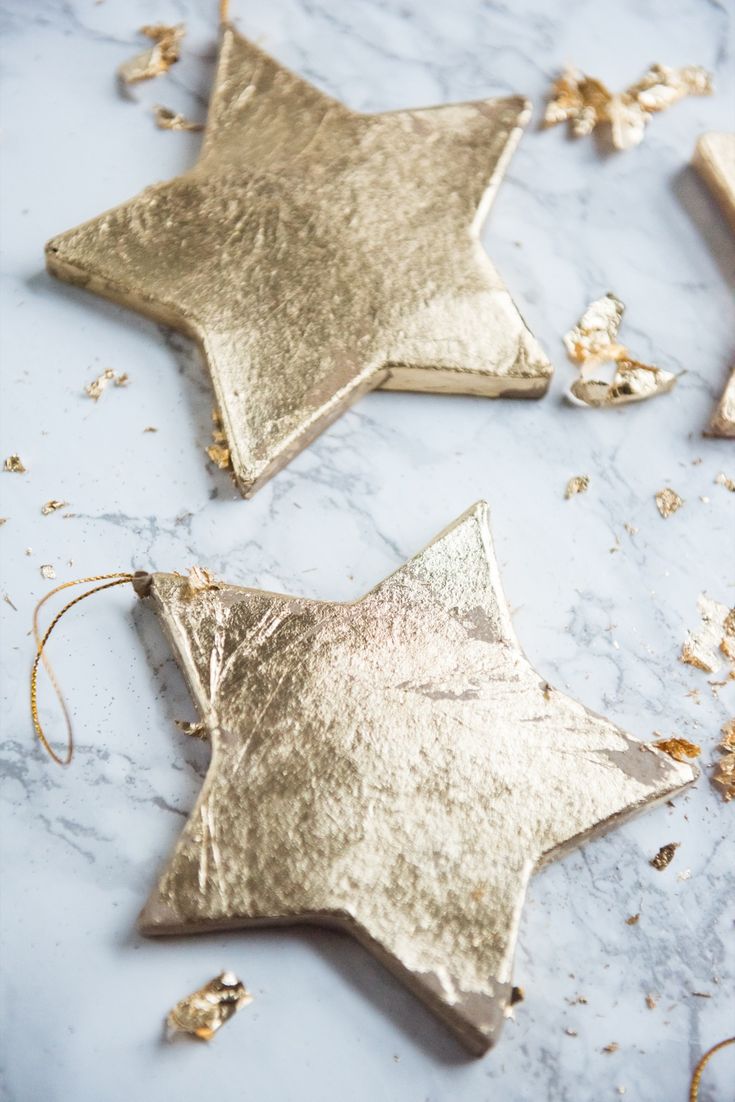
(593, 341)
(316, 254)
(205, 1011)
(13, 464)
(52, 505)
(724, 774)
(665, 856)
(585, 103)
(678, 748)
(393, 766)
(167, 119)
(579, 484)
(714, 157)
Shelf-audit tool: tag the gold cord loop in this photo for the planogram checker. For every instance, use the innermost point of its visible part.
(697, 1076)
(41, 657)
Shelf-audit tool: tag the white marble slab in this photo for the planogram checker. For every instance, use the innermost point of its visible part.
(84, 995)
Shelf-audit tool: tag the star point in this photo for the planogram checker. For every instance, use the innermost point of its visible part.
(315, 254)
(393, 766)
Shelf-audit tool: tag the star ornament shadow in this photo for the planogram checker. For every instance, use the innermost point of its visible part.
(392, 766)
(315, 254)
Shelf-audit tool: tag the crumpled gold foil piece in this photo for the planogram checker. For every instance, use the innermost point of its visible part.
(579, 484)
(585, 103)
(205, 1011)
(159, 58)
(714, 157)
(316, 254)
(94, 390)
(48, 571)
(724, 774)
(201, 579)
(218, 451)
(392, 766)
(593, 341)
(678, 748)
(722, 479)
(52, 505)
(665, 856)
(668, 502)
(167, 119)
(704, 648)
(14, 465)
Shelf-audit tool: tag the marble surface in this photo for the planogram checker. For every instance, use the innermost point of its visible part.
(600, 612)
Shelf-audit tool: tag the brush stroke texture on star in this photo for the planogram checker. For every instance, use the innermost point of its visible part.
(394, 766)
(316, 253)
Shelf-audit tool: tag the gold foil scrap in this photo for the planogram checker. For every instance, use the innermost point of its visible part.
(668, 502)
(678, 748)
(52, 505)
(722, 480)
(94, 389)
(167, 119)
(577, 485)
(586, 103)
(650, 1002)
(218, 451)
(724, 774)
(14, 465)
(3, 520)
(612, 1047)
(200, 580)
(159, 58)
(205, 1011)
(715, 637)
(665, 856)
(47, 571)
(592, 342)
(632, 920)
(723, 419)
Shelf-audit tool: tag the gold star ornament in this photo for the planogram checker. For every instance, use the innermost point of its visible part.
(316, 254)
(392, 766)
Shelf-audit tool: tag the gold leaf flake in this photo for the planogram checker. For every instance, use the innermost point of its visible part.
(203, 1012)
(196, 730)
(159, 58)
(585, 103)
(94, 389)
(678, 748)
(3, 520)
(632, 920)
(650, 1002)
(577, 485)
(150, 428)
(715, 637)
(166, 119)
(722, 480)
(668, 502)
(52, 505)
(218, 451)
(724, 774)
(47, 571)
(630, 529)
(592, 342)
(14, 464)
(201, 579)
(612, 1047)
(571, 1032)
(665, 856)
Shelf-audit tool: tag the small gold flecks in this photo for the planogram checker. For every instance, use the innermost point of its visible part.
(665, 856)
(200, 579)
(631, 529)
(94, 389)
(592, 342)
(14, 465)
(632, 920)
(571, 1032)
(159, 58)
(668, 502)
(150, 428)
(218, 451)
(722, 480)
(577, 485)
(167, 119)
(650, 1002)
(678, 748)
(715, 637)
(724, 774)
(196, 730)
(52, 505)
(203, 1012)
(47, 571)
(585, 103)
(612, 1047)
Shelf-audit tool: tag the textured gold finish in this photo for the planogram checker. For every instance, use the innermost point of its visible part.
(393, 766)
(316, 254)
(206, 1010)
(714, 157)
(585, 103)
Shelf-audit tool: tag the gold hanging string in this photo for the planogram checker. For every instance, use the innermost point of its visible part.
(697, 1076)
(41, 656)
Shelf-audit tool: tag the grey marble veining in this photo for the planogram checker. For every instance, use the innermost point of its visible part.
(84, 995)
